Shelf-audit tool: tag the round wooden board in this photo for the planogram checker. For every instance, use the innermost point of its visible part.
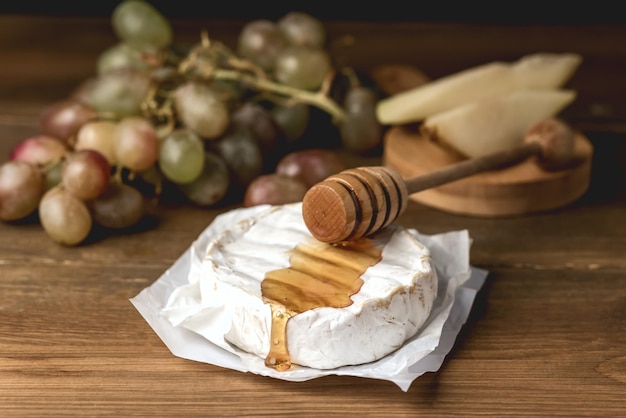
(519, 189)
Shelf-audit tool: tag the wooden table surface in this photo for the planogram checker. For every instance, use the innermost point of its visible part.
(546, 337)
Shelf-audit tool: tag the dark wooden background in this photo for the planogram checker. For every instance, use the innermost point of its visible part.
(528, 12)
(546, 337)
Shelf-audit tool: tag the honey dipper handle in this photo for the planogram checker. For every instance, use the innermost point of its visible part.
(473, 166)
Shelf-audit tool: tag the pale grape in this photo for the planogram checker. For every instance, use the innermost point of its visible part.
(360, 131)
(136, 144)
(201, 109)
(302, 67)
(302, 29)
(65, 218)
(120, 206)
(139, 24)
(21, 188)
(39, 150)
(98, 136)
(212, 184)
(85, 174)
(63, 119)
(260, 41)
(181, 156)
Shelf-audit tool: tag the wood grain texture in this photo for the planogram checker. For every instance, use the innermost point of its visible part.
(519, 189)
(546, 337)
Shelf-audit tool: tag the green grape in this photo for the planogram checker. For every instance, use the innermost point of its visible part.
(260, 41)
(302, 29)
(53, 175)
(201, 109)
(360, 131)
(212, 184)
(293, 120)
(139, 24)
(119, 92)
(122, 56)
(181, 156)
(302, 67)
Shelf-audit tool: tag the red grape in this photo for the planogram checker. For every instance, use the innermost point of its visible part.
(261, 123)
(310, 166)
(39, 150)
(85, 174)
(63, 119)
(21, 187)
(120, 206)
(274, 189)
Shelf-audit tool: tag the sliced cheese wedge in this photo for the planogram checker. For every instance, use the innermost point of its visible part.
(536, 71)
(496, 124)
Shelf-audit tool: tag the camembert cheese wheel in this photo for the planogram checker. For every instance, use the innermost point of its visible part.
(278, 293)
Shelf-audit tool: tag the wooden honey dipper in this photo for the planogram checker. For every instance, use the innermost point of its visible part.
(361, 201)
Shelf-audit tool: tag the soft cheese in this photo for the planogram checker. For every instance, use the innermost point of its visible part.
(392, 304)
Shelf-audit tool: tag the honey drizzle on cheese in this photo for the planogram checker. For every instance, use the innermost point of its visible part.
(319, 275)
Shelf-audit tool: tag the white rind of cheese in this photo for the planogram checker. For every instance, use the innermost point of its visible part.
(394, 302)
(536, 71)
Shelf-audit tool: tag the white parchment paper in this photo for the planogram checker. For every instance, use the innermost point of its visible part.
(425, 352)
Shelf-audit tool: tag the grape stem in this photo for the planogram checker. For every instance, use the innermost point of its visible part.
(318, 99)
(245, 72)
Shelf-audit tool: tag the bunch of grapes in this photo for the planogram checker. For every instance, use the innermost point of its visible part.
(214, 124)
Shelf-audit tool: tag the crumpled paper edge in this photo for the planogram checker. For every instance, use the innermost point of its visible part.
(449, 314)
